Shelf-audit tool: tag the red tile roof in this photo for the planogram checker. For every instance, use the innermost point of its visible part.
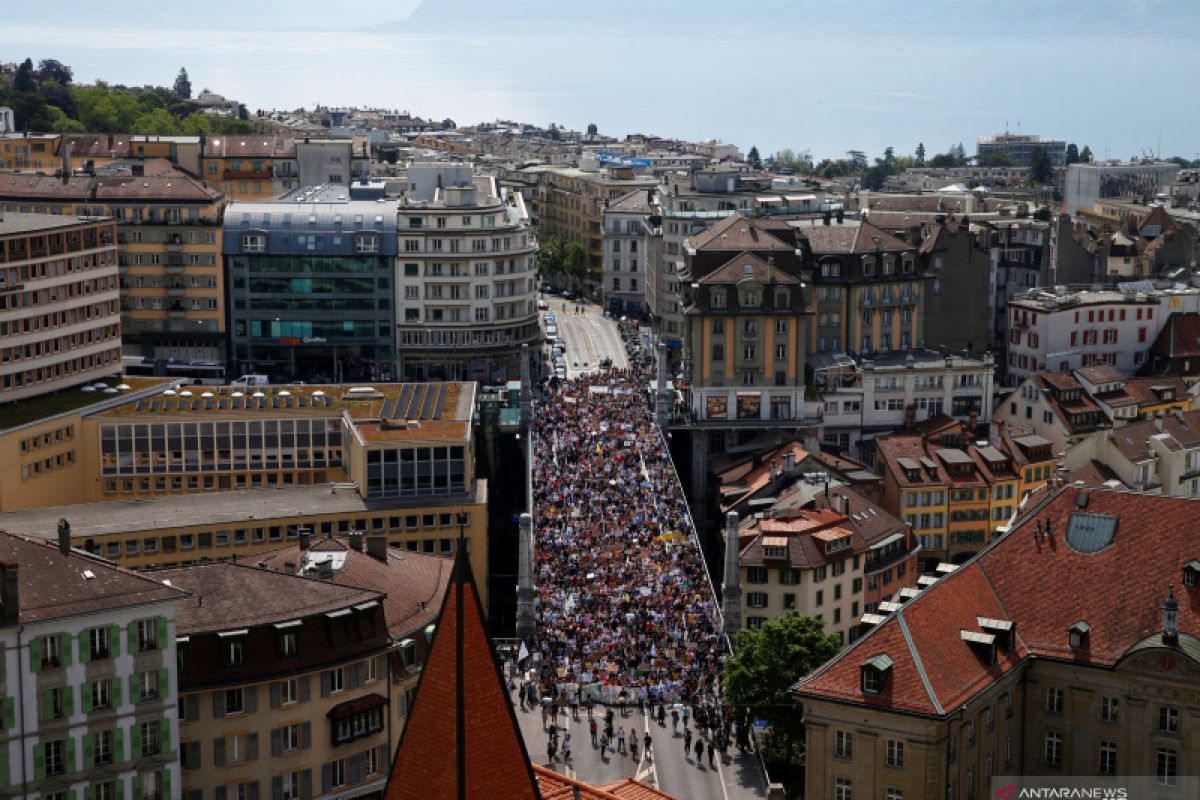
(52, 584)
(1117, 589)
(737, 233)
(1143, 390)
(461, 738)
(1179, 338)
(559, 787)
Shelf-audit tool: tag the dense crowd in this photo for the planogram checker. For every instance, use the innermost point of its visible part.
(625, 609)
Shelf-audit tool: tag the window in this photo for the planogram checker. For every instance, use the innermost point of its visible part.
(293, 785)
(287, 644)
(148, 685)
(1108, 709)
(893, 794)
(55, 752)
(1168, 719)
(337, 679)
(756, 575)
(1053, 750)
(337, 772)
(1108, 758)
(289, 738)
(287, 692)
(842, 789)
(102, 747)
(254, 243)
(51, 652)
(756, 599)
(1165, 772)
(101, 693)
(895, 753)
(235, 701)
(147, 631)
(150, 741)
(234, 652)
(98, 646)
(970, 726)
(1054, 700)
(843, 744)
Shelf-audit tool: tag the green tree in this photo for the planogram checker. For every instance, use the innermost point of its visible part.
(1072, 154)
(766, 662)
(920, 154)
(959, 154)
(158, 122)
(1040, 168)
(61, 123)
(24, 81)
(195, 124)
(575, 264)
(1085, 155)
(857, 159)
(753, 158)
(183, 86)
(243, 113)
(551, 258)
(50, 69)
(995, 158)
(592, 129)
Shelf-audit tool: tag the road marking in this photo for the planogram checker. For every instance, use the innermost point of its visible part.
(652, 769)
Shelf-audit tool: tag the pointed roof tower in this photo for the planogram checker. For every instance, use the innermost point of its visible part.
(461, 740)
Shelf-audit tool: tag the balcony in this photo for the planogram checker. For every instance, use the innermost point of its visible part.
(176, 291)
(246, 174)
(880, 563)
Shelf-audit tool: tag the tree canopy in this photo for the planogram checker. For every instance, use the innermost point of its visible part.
(592, 129)
(1040, 168)
(753, 158)
(183, 85)
(766, 663)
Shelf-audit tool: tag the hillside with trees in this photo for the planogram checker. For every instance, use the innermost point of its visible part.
(45, 99)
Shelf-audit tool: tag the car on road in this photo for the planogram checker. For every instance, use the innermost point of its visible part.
(560, 373)
(552, 330)
(542, 305)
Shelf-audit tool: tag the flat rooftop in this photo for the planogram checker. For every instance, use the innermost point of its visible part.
(243, 507)
(13, 222)
(382, 412)
(36, 409)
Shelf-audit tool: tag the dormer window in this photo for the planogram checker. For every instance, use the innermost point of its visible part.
(983, 644)
(1077, 634)
(834, 545)
(874, 673)
(366, 243)
(254, 243)
(907, 264)
(775, 548)
(717, 297)
(1002, 629)
(782, 298)
(1191, 574)
(750, 298)
(868, 265)
(889, 265)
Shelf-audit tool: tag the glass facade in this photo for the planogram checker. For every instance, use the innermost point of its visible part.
(416, 471)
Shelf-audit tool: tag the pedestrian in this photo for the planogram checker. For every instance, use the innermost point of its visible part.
(592, 727)
(711, 754)
(699, 751)
(687, 740)
(604, 747)
(685, 716)
(674, 719)
(647, 743)
(591, 704)
(633, 745)
(621, 740)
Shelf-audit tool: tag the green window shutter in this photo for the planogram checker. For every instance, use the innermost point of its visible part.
(135, 738)
(114, 641)
(47, 705)
(39, 761)
(35, 655)
(89, 751)
(164, 730)
(64, 644)
(4, 767)
(10, 718)
(70, 755)
(137, 787)
(120, 786)
(162, 633)
(85, 648)
(134, 689)
(89, 793)
(131, 640)
(85, 697)
(164, 683)
(165, 781)
(115, 690)
(118, 745)
(68, 700)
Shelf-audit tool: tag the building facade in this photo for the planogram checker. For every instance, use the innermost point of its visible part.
(60, 322)
(466, 277)
(632, 243)
(90, 699)
(1019, 148)
(1087, 183)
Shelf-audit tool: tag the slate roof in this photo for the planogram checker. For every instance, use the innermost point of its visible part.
(1043, 586)
(635, 202)
(734, 271)
(852, 239)
(737, 233)
(1179, 338)
(52, 584)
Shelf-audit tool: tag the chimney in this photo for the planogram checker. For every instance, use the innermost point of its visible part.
(10, 594)
(841, 216)
(305, 537)
(66, 162)
(356, 541)
(826, 218)
(770, 269)
(138, 170)
(1170, 617)
(377, 546)
(64, 535)
(972, 421)
(789, 462)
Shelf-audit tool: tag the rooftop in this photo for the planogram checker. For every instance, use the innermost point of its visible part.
(36, 409)
(229, 596)
(13, 222)
(248, 507)
(53, 584)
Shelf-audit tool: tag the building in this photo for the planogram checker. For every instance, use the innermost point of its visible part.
(90, 698)
(864, 396)
(958, 260)
(311, 280)
(230, 475)
(1060, 329)
(995, 670)
(1087, 183)
(632, 243)
(278, 697)
(1176, 349)
(1158, 456)
(36, 152)
(868, 287)
(60, 323)
(243, 166)
(466, 277)
(171, 278)
(1019, 148)
(957, 491)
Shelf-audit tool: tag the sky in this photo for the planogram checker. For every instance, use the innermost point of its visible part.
(825, 76)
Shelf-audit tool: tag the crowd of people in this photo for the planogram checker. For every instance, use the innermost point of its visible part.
(625, 611)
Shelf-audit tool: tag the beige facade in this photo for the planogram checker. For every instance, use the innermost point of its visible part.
(59, 323)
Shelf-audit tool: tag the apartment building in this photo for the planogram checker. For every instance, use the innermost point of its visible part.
(60, 322)
(172, 290)
(1060, 329)
(229, 475)
(89, 664)
(632, 243)
(956, 491)
(869, 287)
(311, 285)
(1087, 183)
(1019, 148)
(1176, 349)
(1159, 455)
(995, 670)
(276, 698)
(466, 277)
(243, 166)
(29, 151)
(866, 396)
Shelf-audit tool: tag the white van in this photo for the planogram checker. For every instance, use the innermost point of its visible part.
(250, 380)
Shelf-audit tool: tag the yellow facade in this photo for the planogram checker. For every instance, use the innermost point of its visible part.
(37, 152)
(240, 178)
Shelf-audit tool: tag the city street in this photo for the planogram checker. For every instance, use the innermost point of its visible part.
(590, 337)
